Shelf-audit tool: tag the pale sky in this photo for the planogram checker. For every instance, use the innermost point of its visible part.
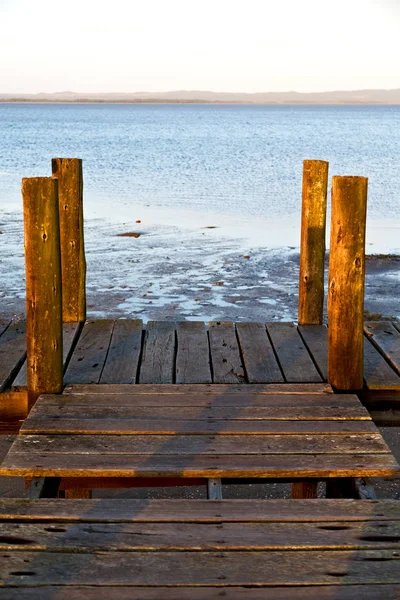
(220, 45)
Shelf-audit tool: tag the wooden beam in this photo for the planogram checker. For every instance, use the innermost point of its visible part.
(312, 246)
(43, 287)
(346, 283)
(68, 171)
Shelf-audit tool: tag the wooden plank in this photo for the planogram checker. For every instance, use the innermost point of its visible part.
(123, 355)
(193, 353)
(254, 568)
(378, 374)
(78, 537)
(272, 388)
(320, 592)
(126, 426)
(315, 338)
(192, 444)
(258, 355)
(293, 466)
(70, 334)
(345, 592)
(197, 413)
(225, 354)
(294, 359)
(158, 359)
(90, 354)
(201, 400)
(387, 339)
(198, 511)
(12, 352)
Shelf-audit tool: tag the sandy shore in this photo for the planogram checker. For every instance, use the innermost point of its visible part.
(169, 272)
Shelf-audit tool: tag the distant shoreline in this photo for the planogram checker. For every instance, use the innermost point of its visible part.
(215, 102)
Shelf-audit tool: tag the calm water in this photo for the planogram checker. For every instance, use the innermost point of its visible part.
(237, 160)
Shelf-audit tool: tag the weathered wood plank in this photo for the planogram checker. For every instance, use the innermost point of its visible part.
(198, 413)
(271, 388)
(258, 355)
(192, 444)
(90, 354)
(200, 399)
(12, 352)
(320, 592)
(288, 567)
(126, 426)
(193, 353)
(71, 332)
(315, 338)
(198, 511)
(78, 537)
(124, 351)
(294, 359)
(225, 354)
(158, 359)
(387, 339)
(378, 374)
(296, 466)
(4, 323)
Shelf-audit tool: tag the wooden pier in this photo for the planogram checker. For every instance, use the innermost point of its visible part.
(118, 403)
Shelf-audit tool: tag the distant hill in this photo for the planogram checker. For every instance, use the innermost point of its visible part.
(193, 96)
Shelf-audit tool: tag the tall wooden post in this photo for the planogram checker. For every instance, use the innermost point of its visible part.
(346, 283)
(68, 171)
(43, 287)
(312, 246)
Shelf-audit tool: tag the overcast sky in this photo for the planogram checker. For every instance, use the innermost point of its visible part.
(220, 45)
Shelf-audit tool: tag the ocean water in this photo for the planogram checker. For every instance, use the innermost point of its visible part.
(182, 169)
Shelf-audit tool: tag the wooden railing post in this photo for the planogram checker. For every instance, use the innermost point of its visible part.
(43, 287)
(346, 283)
(312, 245)
(68, 171)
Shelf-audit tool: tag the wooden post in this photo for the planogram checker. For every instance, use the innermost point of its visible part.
(312, 245)
(43, 287)
(68, 171)
(346, 283)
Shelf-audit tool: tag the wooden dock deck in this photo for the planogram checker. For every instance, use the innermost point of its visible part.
(129, 352)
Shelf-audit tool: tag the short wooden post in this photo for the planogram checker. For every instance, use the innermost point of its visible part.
(43, 287)
(68, 171)
(312, 245)
(346, 283)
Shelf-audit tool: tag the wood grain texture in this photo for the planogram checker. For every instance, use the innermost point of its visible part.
(158, 359)
(127, 426)
(12, 352)
(346, 283)
(215, 400)
(206, 413)
(89, 357)
(193, 353)
(71, 333)
(258, 355)
(198, 511)
(315, 338)
(254, 568)
(212, 445)
(43, 286)
(272, 388)
(86, 536)
(293, 466)
(386, 338)
(225, 354)
(312, 245)
(294, 359)
(378, 374)
(68, 172)
(124, 352)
